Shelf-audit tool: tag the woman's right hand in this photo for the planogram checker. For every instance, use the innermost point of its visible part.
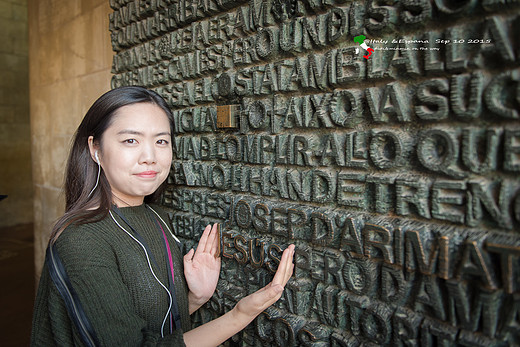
(254, 304)
(217, 331)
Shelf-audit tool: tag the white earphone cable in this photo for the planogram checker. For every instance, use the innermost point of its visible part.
(97, 180)
(150, 266)
(167, 227)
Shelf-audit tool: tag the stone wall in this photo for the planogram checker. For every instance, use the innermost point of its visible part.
(70, 58)
(381, 137)
(15, 133)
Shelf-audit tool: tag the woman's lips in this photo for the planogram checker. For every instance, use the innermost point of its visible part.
(147, 174)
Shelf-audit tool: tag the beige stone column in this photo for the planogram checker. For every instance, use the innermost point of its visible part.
(15, 144)
(70, 56)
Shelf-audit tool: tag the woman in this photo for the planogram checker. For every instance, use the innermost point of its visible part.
(122, 262)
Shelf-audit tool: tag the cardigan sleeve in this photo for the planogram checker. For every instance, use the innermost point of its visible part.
(94, 272)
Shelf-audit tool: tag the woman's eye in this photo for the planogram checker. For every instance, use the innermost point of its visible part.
(162, 142)
(130, 141)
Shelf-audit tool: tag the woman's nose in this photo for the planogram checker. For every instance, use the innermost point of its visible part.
(148, 154)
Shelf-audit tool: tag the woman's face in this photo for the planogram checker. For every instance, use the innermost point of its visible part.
(136, 152)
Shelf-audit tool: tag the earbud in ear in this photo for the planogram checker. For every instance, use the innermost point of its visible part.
(97, 158)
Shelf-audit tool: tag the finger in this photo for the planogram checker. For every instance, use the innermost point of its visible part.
(203, 240)
(288, 274)
(211, 239)
(215, 245)
(284, 267)
(217, 252)
(289, 266)
(189, 256)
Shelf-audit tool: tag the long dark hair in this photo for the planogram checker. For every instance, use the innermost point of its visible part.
(81, 172)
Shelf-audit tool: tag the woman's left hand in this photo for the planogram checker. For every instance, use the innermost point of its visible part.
(202, 268)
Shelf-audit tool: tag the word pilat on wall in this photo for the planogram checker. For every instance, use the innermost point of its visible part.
(396, 175)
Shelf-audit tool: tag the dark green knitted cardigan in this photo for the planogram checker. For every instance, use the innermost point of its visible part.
(109, 271)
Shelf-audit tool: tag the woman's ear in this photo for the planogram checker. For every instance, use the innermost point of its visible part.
(94, 150)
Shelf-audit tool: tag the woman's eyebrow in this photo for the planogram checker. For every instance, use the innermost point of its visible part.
(167, 133)
(129, 131)
(135, 132)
